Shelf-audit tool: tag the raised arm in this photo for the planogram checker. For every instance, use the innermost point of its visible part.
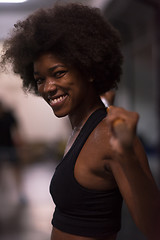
(132, 173)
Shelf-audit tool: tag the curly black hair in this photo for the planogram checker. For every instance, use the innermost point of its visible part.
(78, 35)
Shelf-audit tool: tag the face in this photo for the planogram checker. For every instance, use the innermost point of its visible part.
(61, 87)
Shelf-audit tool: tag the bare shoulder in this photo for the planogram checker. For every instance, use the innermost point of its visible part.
(96, 171)
(99, 141)
(101, 136)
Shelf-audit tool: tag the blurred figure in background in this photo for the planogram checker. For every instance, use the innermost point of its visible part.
(10, 141)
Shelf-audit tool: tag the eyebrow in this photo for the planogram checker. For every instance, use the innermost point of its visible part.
(50, 69)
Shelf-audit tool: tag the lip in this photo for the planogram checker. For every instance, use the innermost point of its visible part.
(57, 101)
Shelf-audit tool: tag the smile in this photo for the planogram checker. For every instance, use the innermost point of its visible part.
(57, 100)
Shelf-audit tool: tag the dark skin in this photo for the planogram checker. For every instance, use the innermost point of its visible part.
(111, 160)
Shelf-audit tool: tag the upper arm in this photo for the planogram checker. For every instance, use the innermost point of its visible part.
(142, 157)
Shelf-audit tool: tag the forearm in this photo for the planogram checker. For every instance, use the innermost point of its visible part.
(132, 173)
(139, 192)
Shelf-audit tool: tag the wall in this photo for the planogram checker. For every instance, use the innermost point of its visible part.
(138, 90)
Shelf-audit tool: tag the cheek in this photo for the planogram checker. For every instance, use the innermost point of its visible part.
(79, 93)
(40, 90)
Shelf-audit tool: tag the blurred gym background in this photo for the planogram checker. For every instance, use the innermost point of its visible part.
(25, 204)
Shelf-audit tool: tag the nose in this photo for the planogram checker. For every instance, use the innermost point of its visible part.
(49, 86)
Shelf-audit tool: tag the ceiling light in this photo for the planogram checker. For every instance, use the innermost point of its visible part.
(12, 1)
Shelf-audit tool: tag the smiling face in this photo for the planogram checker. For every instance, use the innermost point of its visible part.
(62, 87)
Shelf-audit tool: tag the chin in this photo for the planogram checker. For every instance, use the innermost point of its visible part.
(59, 114)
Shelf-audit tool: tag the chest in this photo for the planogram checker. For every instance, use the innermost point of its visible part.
(83, 168)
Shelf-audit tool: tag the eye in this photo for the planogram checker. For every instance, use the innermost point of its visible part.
(39, 80)
(60, 74)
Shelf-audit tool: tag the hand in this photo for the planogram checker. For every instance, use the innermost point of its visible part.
(122, 124)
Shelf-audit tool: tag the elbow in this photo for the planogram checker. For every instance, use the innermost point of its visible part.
(150, 230)
(150, 225)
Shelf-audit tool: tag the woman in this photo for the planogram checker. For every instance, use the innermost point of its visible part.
(70, 55)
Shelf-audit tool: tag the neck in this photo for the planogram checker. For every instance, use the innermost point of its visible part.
(81, 114)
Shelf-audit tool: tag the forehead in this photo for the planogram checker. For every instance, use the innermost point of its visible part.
(46, 60)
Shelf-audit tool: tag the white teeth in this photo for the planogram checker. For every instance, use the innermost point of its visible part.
(56, 100)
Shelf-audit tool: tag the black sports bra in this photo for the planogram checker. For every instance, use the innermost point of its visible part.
(81, 211)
